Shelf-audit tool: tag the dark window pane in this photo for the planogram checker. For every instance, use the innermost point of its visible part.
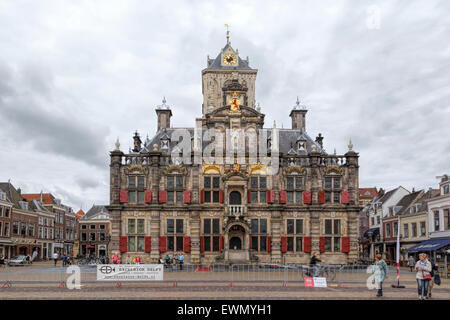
(207, 182)
(290, 244)
(328, 226)
(180, 244)
(170, 196)
(298, 245)
(207, 226)
(289, 197)
(141, 197)
(263, 243)
(262, 182)
(141, 244)
(131, 243)
(131, 225)
(254, 226)
(298, 183)
(216, 226)
(179, 196)
(336, 183)
(298, 197)
(328, 183)
(216, 196)
(336, 197)
(131, 182)
(170, 227)
(170, 243)
(262, 197)
(140, 226)
(132, 196)
(290, 226)
(337, 226)
(290, 183)
(207, 243)
(179, 183)
(328, 244)
(255, 243)
(207, 196)
(216, 182)
(254, 182)
(216, 241)
(141, 182)
(299, 226)
(337, 244)
(327, 196)
(254, 195)
(263, 226)
(179, 225)
(170, 182)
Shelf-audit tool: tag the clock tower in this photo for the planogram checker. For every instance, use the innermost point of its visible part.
(225, 71)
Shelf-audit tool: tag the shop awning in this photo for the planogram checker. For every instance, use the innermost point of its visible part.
(372, 232)
(429, 245)
(7, 243)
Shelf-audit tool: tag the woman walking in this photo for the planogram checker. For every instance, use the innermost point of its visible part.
(380, 272)
(423, 276)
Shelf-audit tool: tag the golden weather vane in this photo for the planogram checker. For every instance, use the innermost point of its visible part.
(228, 33)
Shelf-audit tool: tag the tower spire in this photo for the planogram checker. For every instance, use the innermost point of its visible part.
(228, 33)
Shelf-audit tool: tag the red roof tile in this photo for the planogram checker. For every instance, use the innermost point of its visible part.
(368, 192)
(47, 198)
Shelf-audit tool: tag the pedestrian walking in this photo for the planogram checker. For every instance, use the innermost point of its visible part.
(411, 263)
(181, 260)
(380, 272)
(138, 260)
(423, 276)
(433, 273)
(63, 258)
(55, 258)
(128, 260)
(114, 259)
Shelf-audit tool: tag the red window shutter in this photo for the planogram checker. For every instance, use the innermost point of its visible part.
(202, 243)
(202, 196)
(269, 244)
(148, 196)
(322, 244)
(187, 196)
(307, 197)
(249, 196)
(221, 243)
(321, 196)
(345, 244)
(307, 244)
(283, 196)
(162, 196)
(270, 196)
(123, 196)
(221, 196)
(148, 244)
(162, 244)
(123, 244)
(345, 197)
(283, 244)
(187, 244)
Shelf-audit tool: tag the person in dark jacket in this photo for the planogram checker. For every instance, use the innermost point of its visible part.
(313, 263)
(434, 269)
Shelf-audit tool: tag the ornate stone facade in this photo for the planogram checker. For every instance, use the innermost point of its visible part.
(234, 211)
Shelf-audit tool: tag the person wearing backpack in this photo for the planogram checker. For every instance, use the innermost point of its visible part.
(423, 276)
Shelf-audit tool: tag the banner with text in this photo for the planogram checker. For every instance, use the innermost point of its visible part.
(130, 272)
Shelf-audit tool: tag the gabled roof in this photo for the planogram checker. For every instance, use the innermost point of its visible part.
(368, 193)
(217, 62)
(47, 198)
(80, 214)
(387, 195)
(407, 200)
(96, 209)
(12, 194)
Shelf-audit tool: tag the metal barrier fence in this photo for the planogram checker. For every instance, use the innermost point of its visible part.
(231, 273)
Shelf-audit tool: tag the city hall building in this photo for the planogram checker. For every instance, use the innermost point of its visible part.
(235, 210)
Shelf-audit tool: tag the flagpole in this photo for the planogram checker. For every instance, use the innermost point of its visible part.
(398, 256)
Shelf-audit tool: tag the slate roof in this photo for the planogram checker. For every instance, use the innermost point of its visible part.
(95, 210)
(406, 201)
(12, 195)
(217, 62)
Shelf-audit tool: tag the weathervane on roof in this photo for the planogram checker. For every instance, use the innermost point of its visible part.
(228, 33)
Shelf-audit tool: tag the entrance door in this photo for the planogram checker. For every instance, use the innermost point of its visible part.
(235, 243)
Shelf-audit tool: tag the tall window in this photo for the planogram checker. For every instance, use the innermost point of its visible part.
(294, 228)
(258, 189)
(388, 229)
(136, 189)
(333, 232)
(31, 229)
(422, 229)
(294, 187)
(395, 229)
(406, 230)
(332, 188)
(175, 188)
(175, 232)
(6, 230)
(414, 229)
(259, 234)
(135, 232)
(447, 216)
(211, 185)
(436, 221)
(211, 232)
(23, 229)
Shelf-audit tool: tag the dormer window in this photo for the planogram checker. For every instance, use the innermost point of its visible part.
(164, 144)
(301, 145)
(446, 189)
(2, 196)
(23, 205)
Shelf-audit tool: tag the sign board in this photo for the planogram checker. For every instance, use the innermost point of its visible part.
(315, 282)
(130, 272)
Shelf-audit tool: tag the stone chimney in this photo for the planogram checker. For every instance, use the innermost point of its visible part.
(298, 115)
(164, 113)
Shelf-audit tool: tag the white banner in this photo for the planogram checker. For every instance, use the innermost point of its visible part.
(130, 272)
(320, 282)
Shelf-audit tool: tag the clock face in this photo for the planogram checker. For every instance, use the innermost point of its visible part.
(229, 59)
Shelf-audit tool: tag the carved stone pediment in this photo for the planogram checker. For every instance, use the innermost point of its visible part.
(175, 169)
(136, 169)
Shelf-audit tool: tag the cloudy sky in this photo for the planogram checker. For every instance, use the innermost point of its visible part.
(75, 75)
